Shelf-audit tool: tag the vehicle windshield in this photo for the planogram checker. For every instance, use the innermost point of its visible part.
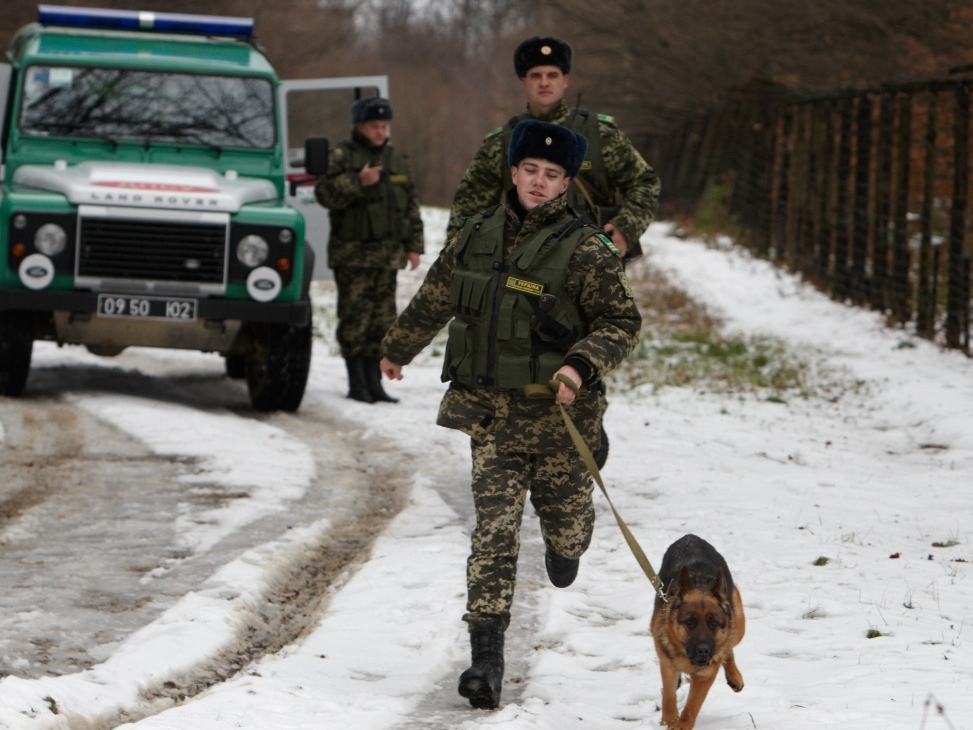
(148, 106)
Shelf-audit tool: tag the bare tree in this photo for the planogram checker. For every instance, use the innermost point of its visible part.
(654, 61)
(651, 63)
(449, 87)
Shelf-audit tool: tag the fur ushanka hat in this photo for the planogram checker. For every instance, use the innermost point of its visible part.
(371, 108)
(539, 51)
(547, 141)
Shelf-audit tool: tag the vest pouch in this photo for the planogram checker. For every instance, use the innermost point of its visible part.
(515, 366)
(556, 330)
(545, 365)
(379, 225)
(396, 179)
(459, 360)
(513, 321)
(354, 224)
(468, 292)
(400, 204)
(514, 370)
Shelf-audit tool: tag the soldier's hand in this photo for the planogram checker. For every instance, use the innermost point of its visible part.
(564, 394)
(393, 371)
(618, 238)
(412, 258)
(369, 175)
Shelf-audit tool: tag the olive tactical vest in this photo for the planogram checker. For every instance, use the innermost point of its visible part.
(381, 213)
(592, 176)
(513, 322)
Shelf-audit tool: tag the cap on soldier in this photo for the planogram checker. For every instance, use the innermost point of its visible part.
(547, 141)
(539, 51)
(371, 108)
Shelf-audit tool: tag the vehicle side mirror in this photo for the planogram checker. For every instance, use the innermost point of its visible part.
(316, 155)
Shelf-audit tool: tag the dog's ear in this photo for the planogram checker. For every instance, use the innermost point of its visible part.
(719, 587)
(685, 582)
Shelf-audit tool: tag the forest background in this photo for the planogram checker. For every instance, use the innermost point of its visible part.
(649, 63)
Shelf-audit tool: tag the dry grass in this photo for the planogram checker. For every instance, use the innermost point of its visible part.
(685, 345)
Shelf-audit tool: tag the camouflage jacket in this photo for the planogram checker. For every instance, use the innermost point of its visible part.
(596, 282)
(340, 191)
(632, 179)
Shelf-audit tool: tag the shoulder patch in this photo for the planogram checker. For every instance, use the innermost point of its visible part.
(493, 132)
(623, 280)
(608, 243)
(608, 119)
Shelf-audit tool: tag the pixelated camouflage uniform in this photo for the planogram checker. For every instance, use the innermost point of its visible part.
(628, 176)
(519, 443)
(365, 260)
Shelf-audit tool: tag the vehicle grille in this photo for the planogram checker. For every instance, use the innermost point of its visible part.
(159, 251)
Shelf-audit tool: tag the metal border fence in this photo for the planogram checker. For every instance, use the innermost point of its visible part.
(864, 192)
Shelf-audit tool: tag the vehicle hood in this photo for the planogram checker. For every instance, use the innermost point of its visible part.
(146, 186)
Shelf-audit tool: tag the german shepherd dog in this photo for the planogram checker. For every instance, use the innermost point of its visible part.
(696, 627)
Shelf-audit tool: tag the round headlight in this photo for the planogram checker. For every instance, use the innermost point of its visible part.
(252, 250)
(50, 239)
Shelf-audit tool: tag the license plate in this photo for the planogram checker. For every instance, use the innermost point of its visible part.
(139, 307)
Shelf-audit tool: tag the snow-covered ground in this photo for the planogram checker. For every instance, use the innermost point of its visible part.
(875, 481)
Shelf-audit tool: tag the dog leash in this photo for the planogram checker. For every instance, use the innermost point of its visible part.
(546, 391)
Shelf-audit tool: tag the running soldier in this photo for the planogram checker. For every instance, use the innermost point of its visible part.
(531, 293)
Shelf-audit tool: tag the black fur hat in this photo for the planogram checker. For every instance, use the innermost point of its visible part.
(539, 51)
(371, 108)
(547, 141)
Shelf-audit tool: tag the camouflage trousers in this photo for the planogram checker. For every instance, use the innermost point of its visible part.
(366, 308)
(561, 493)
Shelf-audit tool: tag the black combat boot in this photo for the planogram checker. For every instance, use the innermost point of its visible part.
(481, 683)
(357, 386)
(562, 571)
(373, 380)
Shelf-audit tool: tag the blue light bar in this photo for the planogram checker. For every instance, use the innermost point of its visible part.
(145, 20)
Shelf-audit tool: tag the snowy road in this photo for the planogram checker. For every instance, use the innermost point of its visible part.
(129, 482)
(844, 516)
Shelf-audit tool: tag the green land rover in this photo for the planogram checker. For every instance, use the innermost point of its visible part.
(143, 199)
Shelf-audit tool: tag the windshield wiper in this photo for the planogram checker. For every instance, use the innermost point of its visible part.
(73, 130)
(175, 134)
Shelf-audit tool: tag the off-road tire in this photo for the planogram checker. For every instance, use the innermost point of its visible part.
(277, 366)
(16, 347)
(236, 366)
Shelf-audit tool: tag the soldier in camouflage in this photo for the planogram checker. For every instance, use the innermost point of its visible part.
(530, 292)
(376, 230)
(616, 188)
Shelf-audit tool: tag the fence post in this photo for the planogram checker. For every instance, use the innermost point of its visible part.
(823, 185)
(900, 235)
(805, 169)
(858, 282)
(781, 202)
(926, 279)
(825, 188)
(748, 186)
(841, 284)
(958, 296)
(883, 186)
